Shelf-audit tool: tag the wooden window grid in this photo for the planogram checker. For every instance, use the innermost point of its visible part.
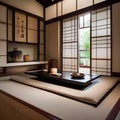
(3, 35)
(100, 29)
(101, 41)
(69, 55)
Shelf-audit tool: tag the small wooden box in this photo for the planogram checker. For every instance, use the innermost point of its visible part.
(26, 58)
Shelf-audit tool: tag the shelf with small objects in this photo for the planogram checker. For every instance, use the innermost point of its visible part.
(18, 52)
(25, 39)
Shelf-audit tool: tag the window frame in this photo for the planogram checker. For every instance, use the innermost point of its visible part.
(110, 71)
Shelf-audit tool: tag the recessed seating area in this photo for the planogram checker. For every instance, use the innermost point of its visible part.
(93, 94)
(40, 96)
(64, 78)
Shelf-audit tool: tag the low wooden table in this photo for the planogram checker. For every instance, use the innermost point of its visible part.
(65, 79)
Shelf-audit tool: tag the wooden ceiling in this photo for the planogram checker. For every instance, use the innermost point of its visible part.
(47, 3)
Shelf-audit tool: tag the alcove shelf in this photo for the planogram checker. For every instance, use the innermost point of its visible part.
(26, 33)
(15, 64)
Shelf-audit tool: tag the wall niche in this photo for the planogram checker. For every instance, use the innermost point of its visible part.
(24, 34)
(26, 49)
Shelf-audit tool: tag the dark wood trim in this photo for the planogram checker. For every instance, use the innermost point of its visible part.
(61, 44)
(112, 1)
(22, 42)
(2, 40)
(44, 30)
(91, 41)
(48, 4)
(93, 7)
(2, 72)
(2, 22)
(7, 36)
(44, 42)
(27, 28)
(111, 11)
(101, 36)
(46, 114)
(99, 59)
(115, 74)
(43, 13)
(13, 20)
(38, 46)
(115, 110)
(76, 5)
(78, 57)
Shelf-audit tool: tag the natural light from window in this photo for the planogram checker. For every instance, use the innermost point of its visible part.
(84, 43)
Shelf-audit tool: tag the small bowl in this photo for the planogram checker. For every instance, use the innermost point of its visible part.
(77, 75)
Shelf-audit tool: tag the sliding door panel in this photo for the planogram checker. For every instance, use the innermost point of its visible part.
(101, 41)
(70, 45)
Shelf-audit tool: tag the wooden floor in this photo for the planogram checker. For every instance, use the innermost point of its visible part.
(10, 109)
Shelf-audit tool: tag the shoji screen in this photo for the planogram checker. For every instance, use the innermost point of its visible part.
(70, 45)
(3, 35)
(101, 41)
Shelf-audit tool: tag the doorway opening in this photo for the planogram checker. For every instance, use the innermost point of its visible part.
(84, 43)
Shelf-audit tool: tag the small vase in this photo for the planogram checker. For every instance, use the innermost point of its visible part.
(15, 55)
(26, 58)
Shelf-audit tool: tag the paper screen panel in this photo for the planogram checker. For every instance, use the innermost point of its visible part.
(3, 31)
(3, 46)
(69, 47)
(32, 36)
(3, 60)
(32, 23)
(50, 12)
(101, 41)
(68, 6)
(84, 3)
(3, 14)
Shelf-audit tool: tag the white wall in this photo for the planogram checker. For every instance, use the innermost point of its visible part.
(31, 6)
(53, 41)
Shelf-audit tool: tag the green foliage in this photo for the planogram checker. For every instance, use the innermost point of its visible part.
(85, 38)
(84, 45)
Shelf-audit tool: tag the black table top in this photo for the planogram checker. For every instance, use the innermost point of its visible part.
(65, 78)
